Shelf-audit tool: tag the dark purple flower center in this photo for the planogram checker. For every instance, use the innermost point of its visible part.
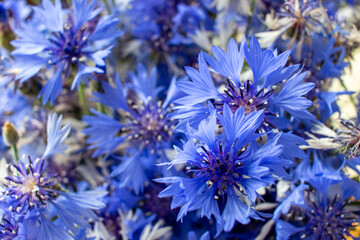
(149, 123)
(222, 168)
(29, 187)
(249, 98)
(68, 46)
(329, 221)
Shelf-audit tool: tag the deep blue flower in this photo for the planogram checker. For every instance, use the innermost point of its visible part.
(164, 32)
(166, 24)
(145, 124)
(324, 212)
(268, 72)
(35, 198)
(187, 21)
(320, 207)
(324, 58)
(31, 193)
(66, 45)
(226, 168)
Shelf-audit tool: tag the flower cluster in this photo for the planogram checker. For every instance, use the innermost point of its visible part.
(179, 119)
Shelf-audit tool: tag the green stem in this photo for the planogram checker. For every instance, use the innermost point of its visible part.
(100, 107)
(82, 99)
(15, 152)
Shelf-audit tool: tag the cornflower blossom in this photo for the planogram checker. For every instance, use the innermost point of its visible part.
(70, 45)
(323, 217)
(252, 95)
(321, 208)
(224, 171)
(165, 25)
(29, 191)
(29, 194)
(145, 123)
(188, 20)
(143, 126)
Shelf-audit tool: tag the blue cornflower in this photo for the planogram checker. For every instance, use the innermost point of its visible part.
(268, 72)
(166, 24)
(165, 29)
(144, 127)
(226, 168)
(33, 194)
(71, 44)
(34, 197)
(187, 21)
(145, 22)
(145, 123)
(321, 206)
(325, 211)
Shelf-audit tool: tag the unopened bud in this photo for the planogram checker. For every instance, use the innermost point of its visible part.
(10, 135)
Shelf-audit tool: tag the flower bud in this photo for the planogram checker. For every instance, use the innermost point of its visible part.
(10, 135)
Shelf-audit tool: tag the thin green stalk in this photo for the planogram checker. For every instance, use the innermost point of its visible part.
(100, 107)
(82, 99)
(15, 152)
